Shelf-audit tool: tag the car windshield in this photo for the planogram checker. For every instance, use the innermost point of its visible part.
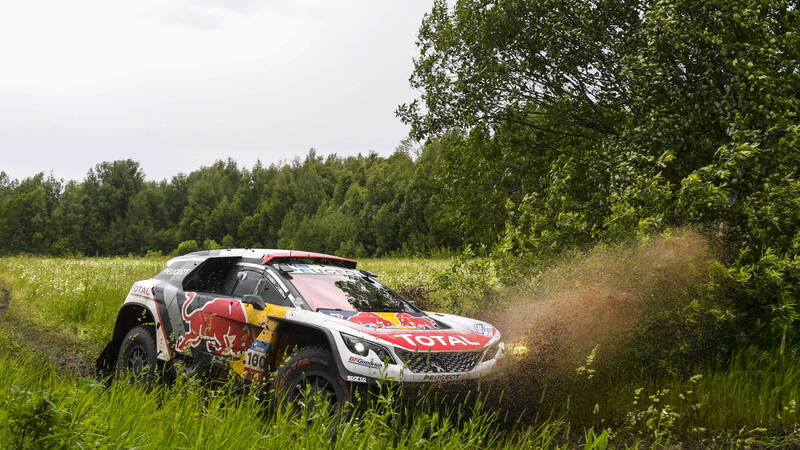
(347, 293)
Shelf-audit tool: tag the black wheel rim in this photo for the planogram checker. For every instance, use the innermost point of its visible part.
(312, 389)
(136, 363)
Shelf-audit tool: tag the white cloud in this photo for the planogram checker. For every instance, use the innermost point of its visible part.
(241, 6)
(193, 18)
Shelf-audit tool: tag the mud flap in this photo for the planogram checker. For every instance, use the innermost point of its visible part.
(104, 366)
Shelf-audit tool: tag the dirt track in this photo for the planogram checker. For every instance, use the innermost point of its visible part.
(5, 297)
(44, 345)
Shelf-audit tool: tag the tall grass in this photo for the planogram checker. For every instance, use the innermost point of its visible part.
(756, 389)
(753, 401)
(39, 408)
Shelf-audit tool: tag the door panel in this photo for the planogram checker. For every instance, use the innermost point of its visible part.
(214, 324)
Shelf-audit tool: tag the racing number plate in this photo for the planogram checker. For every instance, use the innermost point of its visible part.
(256, 357)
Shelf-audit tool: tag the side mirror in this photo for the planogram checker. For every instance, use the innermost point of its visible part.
(255, 300)
(413, 303)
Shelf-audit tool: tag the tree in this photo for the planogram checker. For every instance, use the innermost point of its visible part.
(621, 117)
(516, 60)
(25, 213)
(108, 189)
(7, 186)
(23, 222)
(566, 99)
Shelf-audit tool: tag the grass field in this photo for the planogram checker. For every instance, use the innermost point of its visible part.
(78, 299)
(61, 312)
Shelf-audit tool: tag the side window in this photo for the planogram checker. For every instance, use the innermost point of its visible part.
(231, 280)
(211, 276)
(270, 294)
(247, 283)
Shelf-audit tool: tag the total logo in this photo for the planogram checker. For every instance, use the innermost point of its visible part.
(431, 340)
(138, 289)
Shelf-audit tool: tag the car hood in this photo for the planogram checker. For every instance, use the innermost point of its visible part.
(420, 331)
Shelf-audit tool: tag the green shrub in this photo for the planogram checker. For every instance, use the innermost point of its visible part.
(61, 247)
(187, 247)
(750, 196)
(227, 241)
(210, 244)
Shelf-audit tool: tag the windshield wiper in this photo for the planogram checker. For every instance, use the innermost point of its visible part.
(383, 310)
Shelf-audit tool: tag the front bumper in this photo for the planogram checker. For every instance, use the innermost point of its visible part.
(369, 369)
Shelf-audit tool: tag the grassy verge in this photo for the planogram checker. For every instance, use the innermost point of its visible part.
(750, 400)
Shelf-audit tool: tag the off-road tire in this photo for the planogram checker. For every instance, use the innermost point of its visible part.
(311, 366)
(137, 355)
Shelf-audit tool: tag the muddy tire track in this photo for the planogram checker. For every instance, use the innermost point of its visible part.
(44, 346)
(5, 297)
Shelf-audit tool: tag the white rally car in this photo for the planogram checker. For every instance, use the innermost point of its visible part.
(325, 326)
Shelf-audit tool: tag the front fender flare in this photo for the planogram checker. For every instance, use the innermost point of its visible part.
(343, 372)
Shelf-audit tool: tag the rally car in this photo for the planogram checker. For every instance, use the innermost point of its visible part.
(324, 326)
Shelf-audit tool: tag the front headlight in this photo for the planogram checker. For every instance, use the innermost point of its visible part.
(362, 347)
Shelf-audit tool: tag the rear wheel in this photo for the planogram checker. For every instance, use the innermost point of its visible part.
(137, 355)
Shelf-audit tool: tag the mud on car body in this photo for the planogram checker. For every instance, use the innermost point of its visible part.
(313, 317)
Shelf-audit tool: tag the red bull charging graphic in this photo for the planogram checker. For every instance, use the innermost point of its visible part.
(220, 323)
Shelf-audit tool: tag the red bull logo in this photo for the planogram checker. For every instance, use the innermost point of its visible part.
(386, 319)
(416, 322)
(220, 322)
(370, 319)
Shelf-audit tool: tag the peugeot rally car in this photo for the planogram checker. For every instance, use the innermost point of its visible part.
(313, 317)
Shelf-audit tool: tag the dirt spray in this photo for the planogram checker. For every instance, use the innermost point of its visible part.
(594, 301)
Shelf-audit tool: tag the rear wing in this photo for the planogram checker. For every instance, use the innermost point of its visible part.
(292, 257)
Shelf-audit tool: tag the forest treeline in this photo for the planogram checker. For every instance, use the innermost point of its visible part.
(354, 206)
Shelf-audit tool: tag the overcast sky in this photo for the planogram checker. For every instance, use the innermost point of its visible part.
(177, 84)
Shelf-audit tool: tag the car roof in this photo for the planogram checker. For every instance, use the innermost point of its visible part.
(265, 256)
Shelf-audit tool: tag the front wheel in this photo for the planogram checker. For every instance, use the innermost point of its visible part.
(308, 377)
(137, 355)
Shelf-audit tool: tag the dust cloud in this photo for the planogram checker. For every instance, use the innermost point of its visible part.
(595, 300)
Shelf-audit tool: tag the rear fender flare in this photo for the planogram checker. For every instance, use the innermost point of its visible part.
(132, 314)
